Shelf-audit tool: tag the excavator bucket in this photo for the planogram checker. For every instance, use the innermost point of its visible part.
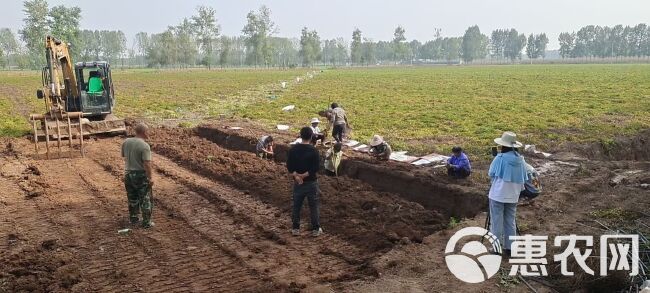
(56, 128)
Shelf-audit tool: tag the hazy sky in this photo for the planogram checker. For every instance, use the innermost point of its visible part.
(376, 18)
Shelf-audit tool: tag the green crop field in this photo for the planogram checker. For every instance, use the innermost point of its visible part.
(419, 109)
(431, 108)
(152, 93)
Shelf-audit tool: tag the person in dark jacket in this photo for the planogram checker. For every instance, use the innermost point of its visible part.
(303, 162)
(458, 165)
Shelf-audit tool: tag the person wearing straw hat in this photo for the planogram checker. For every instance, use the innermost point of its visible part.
(379, 148)
(317, 133)
(508, 175)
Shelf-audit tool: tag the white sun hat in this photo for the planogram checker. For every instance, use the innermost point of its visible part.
(315, 120)
(508, 139)
(376, 140)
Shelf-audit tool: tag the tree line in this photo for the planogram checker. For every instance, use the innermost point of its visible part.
(603, 41)
(197, 41)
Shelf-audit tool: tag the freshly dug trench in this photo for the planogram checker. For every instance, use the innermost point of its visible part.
(371, 220)
(449, 199)
(635, 148)
(236, 142)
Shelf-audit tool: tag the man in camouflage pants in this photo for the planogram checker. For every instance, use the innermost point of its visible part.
(138, 179)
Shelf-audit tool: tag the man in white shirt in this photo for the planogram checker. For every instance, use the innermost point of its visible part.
(317, 133)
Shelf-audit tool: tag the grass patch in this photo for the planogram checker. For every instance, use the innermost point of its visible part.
(614, 214)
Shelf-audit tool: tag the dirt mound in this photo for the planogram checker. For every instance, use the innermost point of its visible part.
(636, 147)
(41, 269)
(451, 199)
(350, 208)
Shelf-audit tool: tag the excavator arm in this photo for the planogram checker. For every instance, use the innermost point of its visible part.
(61, 85)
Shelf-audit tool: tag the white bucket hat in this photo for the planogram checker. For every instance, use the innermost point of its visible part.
(508, 139)
(376, 140)
(315, 120)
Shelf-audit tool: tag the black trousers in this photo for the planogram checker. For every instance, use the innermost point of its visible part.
(316, 137)
(460, 173)
(307, 190)
(337, 132)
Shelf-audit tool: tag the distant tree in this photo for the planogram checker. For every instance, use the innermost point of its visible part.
(34, 30)
(206, 28)
(257, 31)
(414, 50)
(141, 42)
(567, 44)
(474, 44)
(368, 52)
(541, 41)
(64, 25)
(498, 42)
(451, 49)
(531, 50)
(224, 54)
(87, 45)
(334, 51)
(641, 40)
(384, 51)
(399, 46)
(515, 43)
(112, 45)
(186, 43)
(585, 42)
(310, 49)
(355, 47)
(8, 44)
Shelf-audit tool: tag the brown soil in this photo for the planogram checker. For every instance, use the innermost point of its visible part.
(636, 147)
(367, 218)
(222, 220)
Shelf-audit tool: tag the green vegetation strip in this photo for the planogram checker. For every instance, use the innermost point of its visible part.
(421, 109)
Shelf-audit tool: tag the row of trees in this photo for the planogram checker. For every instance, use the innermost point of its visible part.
(197, 40)
(603, 41)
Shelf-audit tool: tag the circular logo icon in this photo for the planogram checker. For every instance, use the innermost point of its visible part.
(474, 263)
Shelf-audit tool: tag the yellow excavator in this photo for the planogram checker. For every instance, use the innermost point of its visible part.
(79, 100)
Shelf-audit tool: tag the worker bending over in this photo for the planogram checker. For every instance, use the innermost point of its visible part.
(264, 148)
(379, 148)
(333, 159)
(138, 178)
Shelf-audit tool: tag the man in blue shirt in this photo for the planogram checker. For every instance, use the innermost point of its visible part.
(458, 165)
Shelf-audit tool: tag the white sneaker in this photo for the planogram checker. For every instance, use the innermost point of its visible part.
(295, 232)
(316, 233)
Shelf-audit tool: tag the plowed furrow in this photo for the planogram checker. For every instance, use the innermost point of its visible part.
(171, 244)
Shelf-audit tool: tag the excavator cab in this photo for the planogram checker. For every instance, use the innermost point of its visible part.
(96, 84)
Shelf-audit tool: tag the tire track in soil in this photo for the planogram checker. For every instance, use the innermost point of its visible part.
(191, 262)
(151, 261)
(250, 229)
